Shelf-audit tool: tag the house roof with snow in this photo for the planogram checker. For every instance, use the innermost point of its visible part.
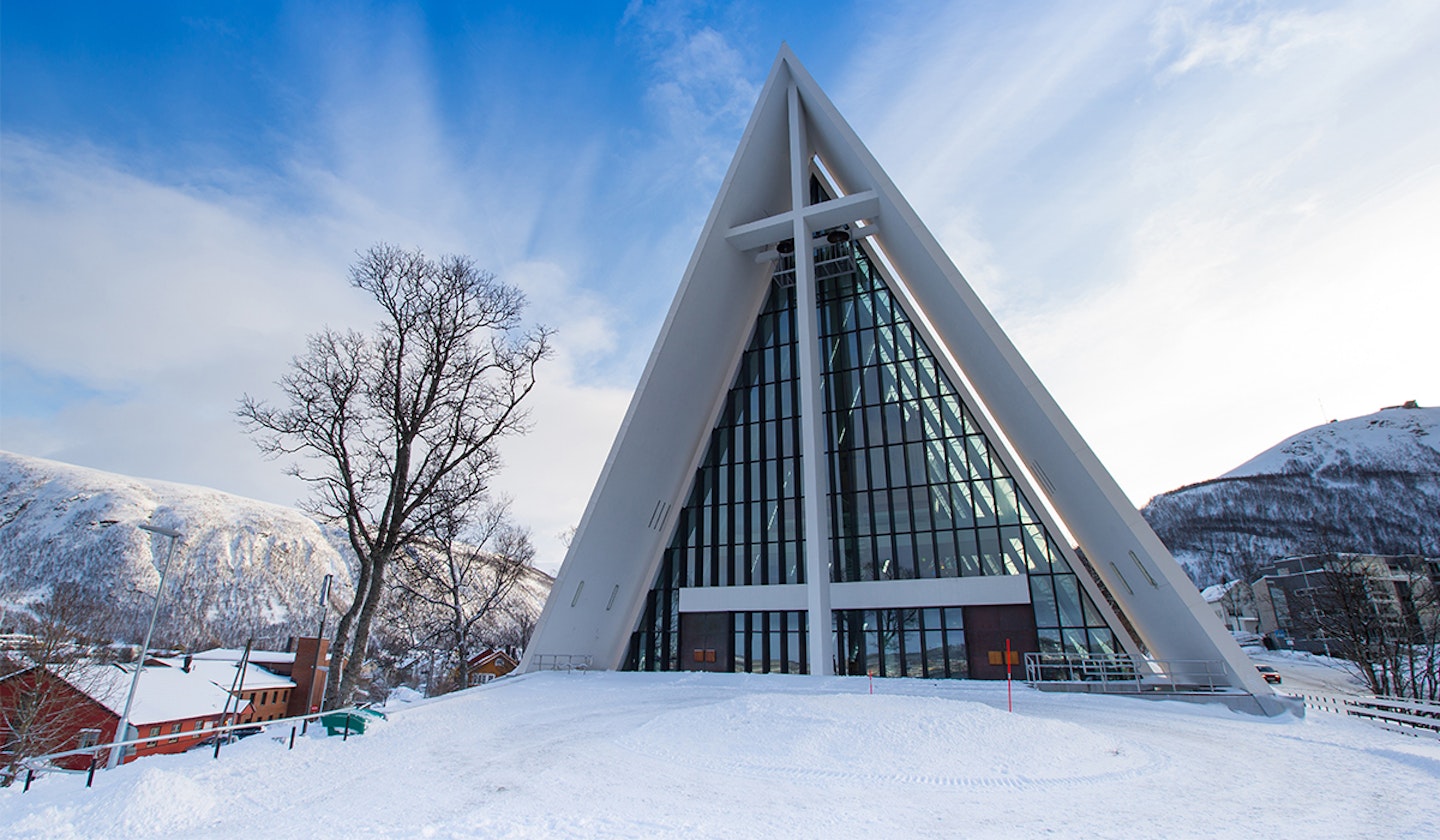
(258, 657)
(163, 694)
(222, 673)
(491, 655)
(1215, 592)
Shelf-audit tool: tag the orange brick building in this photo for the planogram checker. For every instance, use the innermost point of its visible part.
(302, 670)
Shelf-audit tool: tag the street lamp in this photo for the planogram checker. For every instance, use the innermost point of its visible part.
(310, 703)
(122, 729)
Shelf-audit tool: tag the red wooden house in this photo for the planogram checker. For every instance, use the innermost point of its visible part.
(83, 708)
(489, 664)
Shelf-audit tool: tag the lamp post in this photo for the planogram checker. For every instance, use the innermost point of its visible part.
(123, 727)
(310, 704)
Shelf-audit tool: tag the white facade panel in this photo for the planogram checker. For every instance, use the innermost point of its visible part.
(866, 595)
(942, 592)
(789, 596)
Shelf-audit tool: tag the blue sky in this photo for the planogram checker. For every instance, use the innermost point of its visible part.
(1207, 225)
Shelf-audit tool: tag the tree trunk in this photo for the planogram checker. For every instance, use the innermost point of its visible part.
(337, 657)
(334, 697)
(362, 627)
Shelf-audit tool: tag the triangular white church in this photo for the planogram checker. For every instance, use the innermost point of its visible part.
(837, 462)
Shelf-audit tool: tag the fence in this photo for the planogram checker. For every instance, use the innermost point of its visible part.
(1397, 714)
(43, 764)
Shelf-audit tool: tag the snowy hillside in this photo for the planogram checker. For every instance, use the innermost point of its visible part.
(1368, 484)
(244, 567)
(694, 756)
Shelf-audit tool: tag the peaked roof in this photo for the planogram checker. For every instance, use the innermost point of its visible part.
(615, 553)
(163, 694)
(222, 673)
(1218, 591)
(485, 656)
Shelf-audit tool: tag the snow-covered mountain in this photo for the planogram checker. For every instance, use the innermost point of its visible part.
(1368, 484)
(1400, 439)
(243, 567)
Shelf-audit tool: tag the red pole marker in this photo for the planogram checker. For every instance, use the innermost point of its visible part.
(872, 681)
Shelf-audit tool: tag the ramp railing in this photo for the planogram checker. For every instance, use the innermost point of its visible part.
(1124, 674)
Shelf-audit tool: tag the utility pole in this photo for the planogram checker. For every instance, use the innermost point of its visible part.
(122, 729)
(320, 637)
(237, 686)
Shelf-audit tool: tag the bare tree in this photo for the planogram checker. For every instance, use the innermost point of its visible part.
(453, 590)
(1385, 620)
(399, 427)
(45, 677)
(1416, 664)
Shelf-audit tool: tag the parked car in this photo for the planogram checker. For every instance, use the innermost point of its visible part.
(1271, 675)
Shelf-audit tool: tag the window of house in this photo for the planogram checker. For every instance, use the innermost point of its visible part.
(89, 737)
(154, 730)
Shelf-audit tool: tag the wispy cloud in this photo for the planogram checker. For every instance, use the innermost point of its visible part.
(1234, 35)
(1199, 222)
(701, 85)
(161, 297)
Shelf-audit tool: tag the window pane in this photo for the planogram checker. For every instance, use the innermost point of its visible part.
(1042, 596)
(945, 559)
(1035, 555)
(967, 547)
(1103, 641)
(1067, 595)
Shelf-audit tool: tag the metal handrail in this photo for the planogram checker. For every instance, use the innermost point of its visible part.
(37, 762)
(563, 662)
(1122, 672)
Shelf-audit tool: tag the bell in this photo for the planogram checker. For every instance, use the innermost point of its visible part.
(785, 246)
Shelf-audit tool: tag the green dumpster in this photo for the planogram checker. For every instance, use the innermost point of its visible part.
(350, 723)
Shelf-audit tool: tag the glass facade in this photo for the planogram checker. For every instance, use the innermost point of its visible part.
(742, 523)
(917, 490)
(769, 642)
(926, 642)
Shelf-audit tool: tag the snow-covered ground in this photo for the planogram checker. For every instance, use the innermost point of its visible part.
(733, 755)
